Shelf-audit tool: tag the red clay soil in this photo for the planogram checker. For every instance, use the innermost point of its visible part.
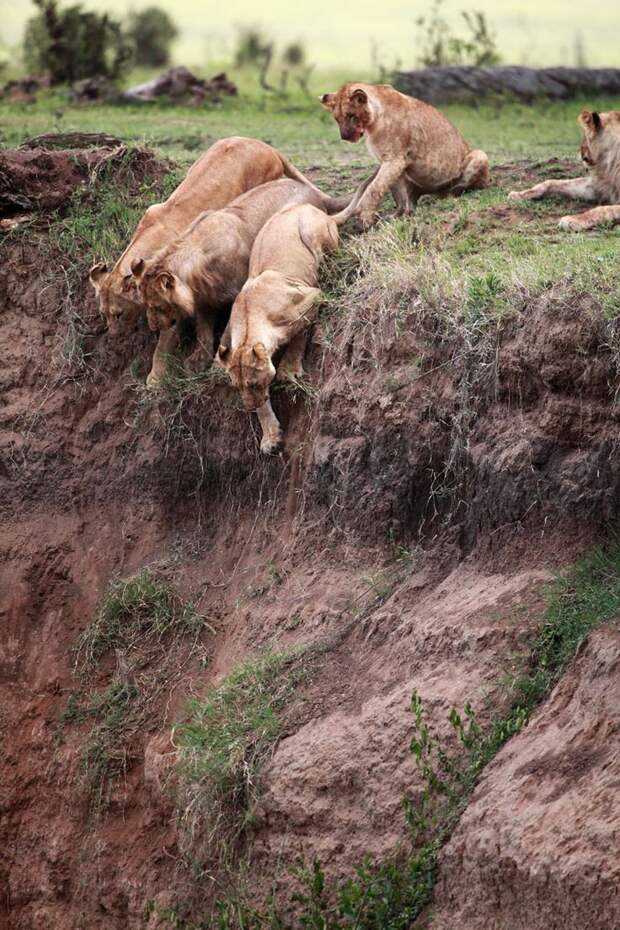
(95, 483)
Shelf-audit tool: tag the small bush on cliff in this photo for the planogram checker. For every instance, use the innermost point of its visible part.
(136, 610)
(223, 745)
(148, 625)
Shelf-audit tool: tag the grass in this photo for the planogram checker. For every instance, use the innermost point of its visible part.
(390, 895)
(223, 745)
(137, 610)
(299, 126)
(147, 625)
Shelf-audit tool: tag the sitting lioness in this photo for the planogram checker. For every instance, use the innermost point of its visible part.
(229, 168)
(203, 270)
(600, 150)
(275, 307)
(419, 150)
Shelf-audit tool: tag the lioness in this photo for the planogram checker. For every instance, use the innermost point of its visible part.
(275, 308)
(203, 270)
(419, 150)
(229, 168)
(600, 150)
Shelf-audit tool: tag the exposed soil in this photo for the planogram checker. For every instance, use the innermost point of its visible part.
(95, 482)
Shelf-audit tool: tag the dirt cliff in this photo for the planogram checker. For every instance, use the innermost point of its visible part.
(408, 530)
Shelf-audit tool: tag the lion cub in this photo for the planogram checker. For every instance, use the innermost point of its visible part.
(419, 150)
(600, 150)
(275, 307)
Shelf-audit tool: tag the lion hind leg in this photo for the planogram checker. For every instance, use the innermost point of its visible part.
(401, 193)
(599, 216)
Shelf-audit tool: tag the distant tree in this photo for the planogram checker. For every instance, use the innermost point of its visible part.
(152, 32)
(72, 44)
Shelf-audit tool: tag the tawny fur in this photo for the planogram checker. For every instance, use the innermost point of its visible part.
(275, 308)
(228, 169)
(419, 150)
(600, 150)
(203, 270)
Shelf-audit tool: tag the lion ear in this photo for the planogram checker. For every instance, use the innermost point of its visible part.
(260, 352)
(97, 273)
(223, 355)
(592, 120)
(359, 96)
(137, 267)
(328, 101)
(165, 281)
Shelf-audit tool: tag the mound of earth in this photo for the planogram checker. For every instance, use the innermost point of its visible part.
(43, 176)
(535, 848)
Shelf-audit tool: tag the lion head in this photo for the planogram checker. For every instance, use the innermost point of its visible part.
(601, 135)
(119, 299)
(251, 371)
(163, 293)
(351, 110)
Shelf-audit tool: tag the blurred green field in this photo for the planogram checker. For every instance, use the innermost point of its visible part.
(355, 35)
(300, 127)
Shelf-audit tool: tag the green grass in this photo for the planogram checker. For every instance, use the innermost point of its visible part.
(224, 743)
(149, 627)
(299, 126)
(135, 610)
(390, 895)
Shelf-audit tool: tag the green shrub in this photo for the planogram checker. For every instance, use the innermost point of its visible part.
(152, 32)
(72, 43)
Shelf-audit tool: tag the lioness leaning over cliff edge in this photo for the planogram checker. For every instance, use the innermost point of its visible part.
(419, 150)
(229, 168)
(600, 150)
(203, 270)
(277, 305)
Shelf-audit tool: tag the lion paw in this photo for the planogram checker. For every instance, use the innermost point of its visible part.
(153, 380)
(571, 224)
(516, 195)
(289, 372)
(199, 360)
(271, 443)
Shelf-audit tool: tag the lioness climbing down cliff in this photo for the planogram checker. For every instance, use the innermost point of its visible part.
(419, 150)
(203, 270)
(228, 169)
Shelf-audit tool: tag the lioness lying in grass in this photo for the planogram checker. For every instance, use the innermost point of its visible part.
(202, 271)
(275, 307)
(419, 150)
(600, 150)
(229, 168)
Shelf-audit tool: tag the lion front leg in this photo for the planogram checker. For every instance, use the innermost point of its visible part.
(202, 356)
(272, 431)
(167, 343)
(292, 362)
(388, 175)
(599, 216)
(573, 188)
